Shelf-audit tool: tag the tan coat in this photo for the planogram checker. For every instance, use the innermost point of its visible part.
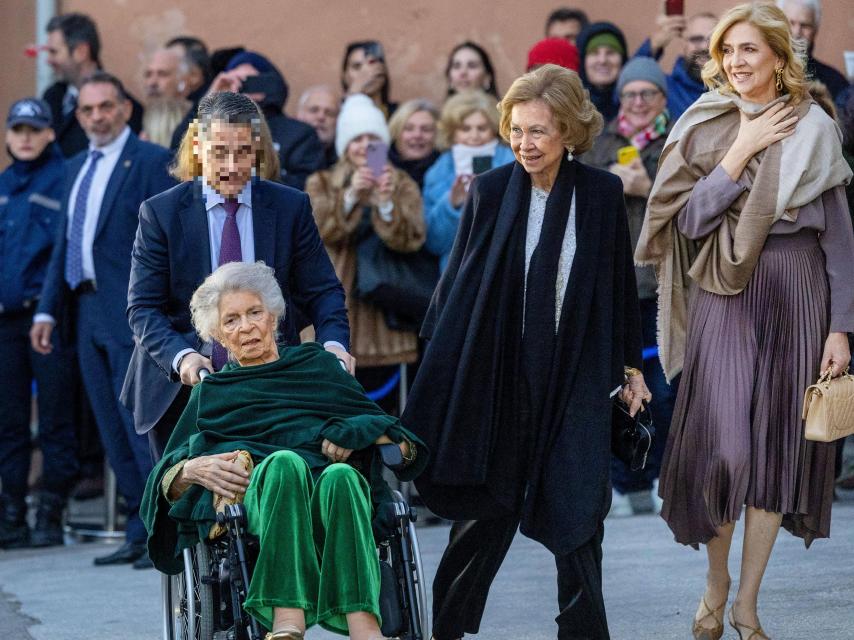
(372, 342)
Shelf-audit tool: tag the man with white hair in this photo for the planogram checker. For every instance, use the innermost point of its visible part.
(163, 75)
(804, 18)
(319, 106)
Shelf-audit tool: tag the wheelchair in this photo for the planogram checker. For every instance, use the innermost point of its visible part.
(205, 601)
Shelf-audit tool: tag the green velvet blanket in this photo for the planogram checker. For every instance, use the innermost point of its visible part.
(294, 403)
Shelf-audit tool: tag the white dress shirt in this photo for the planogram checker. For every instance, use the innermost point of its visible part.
(216, 221)
(103, 171)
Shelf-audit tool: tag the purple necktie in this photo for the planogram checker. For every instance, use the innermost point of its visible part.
(229, 251)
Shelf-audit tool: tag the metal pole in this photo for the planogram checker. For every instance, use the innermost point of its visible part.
(403, 389)
(45, 10)
(110, 498)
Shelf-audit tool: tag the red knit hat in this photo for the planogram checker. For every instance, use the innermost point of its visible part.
(554, 51)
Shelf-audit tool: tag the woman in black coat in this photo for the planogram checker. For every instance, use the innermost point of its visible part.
(534, 324)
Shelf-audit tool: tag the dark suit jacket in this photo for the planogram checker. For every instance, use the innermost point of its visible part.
(70, 136)
(171, 258)
(140, 173)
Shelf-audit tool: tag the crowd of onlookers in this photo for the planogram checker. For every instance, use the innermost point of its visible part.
(358, 154)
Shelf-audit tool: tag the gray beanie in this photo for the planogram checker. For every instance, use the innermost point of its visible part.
(642, 68)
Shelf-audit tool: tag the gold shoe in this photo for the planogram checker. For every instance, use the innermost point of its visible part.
(755, 634)
(291, 633)
(710, 633)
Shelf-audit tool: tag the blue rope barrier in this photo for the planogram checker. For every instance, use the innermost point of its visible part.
(386, 389)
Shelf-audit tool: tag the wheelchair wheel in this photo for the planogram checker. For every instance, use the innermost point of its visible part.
(192, 600)
(416, 578)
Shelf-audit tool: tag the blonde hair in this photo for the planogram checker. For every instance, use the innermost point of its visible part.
(561, 90)
(162, 116)
(459, 107)
(188, 164)
(774, 27)
(406, 111)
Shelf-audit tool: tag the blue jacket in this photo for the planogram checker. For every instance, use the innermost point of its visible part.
(682, 89)
(30, 203)
(141, 172)
(441, 218)
(171, 258)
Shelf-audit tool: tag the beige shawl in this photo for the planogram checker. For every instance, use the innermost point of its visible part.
(780, 180)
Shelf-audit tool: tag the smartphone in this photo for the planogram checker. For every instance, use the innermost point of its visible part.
(625, 155)
(479, 164)
(377, 157)
(674, 7)
(266, 83)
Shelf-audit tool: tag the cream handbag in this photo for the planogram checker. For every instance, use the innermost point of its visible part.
(829, 408)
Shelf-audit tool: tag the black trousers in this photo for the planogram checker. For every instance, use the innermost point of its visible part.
(56, 439)
(159, 435)
(475, 551)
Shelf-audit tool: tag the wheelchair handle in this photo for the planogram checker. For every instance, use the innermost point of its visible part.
(204, 373)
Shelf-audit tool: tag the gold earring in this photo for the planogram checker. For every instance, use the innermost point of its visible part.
(779, 83)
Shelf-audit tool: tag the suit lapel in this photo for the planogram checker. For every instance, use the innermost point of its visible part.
(194, 224)
(120, 173)
(263, 225)
(75, 164)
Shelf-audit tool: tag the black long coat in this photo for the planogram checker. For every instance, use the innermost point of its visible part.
(453, 402)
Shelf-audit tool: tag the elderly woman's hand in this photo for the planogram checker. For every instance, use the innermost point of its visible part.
(334, 452)
(221, 473)
(634, 393)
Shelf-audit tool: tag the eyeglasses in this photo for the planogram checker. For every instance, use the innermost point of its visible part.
(647, 95)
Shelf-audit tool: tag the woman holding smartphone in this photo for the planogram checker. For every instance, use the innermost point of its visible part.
(630, 147)
(468, 129)
(362, 195)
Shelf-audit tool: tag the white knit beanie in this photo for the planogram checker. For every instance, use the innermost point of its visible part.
(359, 115)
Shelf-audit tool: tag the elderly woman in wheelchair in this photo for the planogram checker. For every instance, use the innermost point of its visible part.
(276, 427)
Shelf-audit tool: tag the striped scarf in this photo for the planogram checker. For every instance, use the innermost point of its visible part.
(643, 137)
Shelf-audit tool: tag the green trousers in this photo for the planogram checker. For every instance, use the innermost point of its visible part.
(317, 550)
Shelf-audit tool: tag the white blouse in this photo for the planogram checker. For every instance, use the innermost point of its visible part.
(536, 214)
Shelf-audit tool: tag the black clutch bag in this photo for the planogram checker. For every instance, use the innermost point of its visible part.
(631, 437)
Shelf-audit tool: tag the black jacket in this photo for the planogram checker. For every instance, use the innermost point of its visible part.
(454, 398)
(69, 134)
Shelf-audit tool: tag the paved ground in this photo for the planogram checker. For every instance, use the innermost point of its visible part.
(652, 587)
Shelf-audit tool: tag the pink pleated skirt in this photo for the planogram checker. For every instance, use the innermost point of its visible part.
(737, 436)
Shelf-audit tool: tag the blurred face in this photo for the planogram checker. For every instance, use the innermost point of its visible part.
(101, 113)
(696, 50)
(467, 71)
(365, 71)
(749, 63)
(64, 62)
(536, 141)
(246, 329)
(227, 153)
(357, 149)
(161, 77)
(418, 136)
(320, 110)
(602, 66)
(474, 130)
(641, 102)
(26, 142)
(802, 21)
(566, 29)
